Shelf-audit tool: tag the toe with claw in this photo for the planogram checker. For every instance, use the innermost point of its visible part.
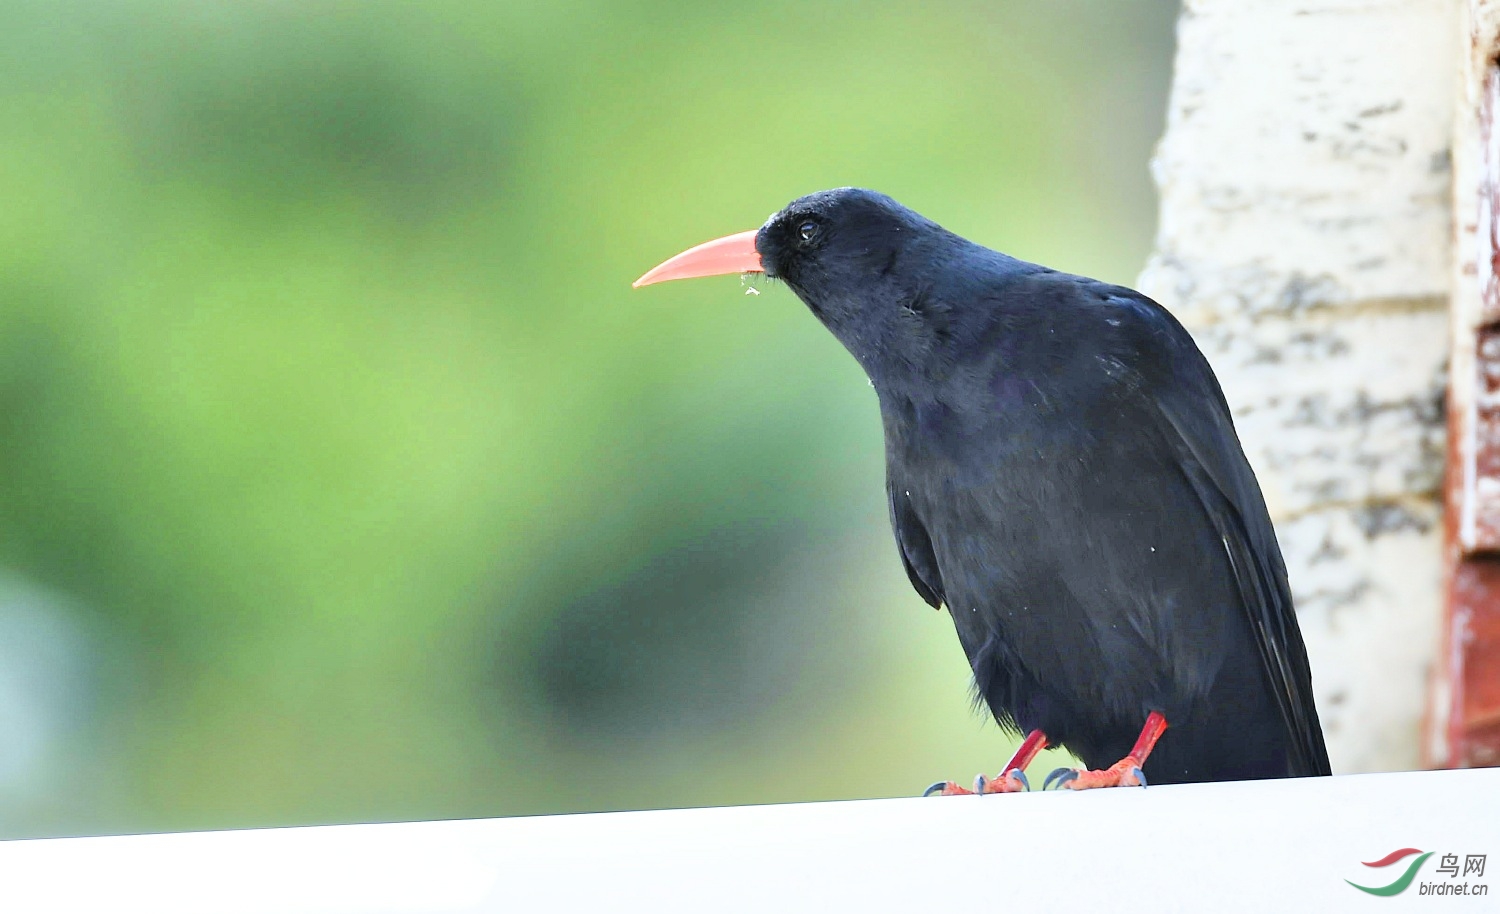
(1012, 781)
(1124, 773)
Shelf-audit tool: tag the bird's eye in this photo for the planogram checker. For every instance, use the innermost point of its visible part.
(807, 230)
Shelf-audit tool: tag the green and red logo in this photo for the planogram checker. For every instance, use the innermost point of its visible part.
(1456, 883)
(1404, 880)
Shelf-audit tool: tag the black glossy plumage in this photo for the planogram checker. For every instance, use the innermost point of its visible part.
(1064, 476)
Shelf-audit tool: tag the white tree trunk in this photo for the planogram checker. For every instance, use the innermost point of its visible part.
(1305, 240)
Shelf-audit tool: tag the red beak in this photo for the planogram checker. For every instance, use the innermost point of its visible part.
(732, 254)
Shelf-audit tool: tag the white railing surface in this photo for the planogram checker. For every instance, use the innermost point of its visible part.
(1271, 846)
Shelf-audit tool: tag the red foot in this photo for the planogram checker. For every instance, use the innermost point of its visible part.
(1124, 773)
(1012, 778)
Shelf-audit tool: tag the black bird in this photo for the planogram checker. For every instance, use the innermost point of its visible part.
(1063, 475)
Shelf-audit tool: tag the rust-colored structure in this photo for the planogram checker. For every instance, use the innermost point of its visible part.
(1464, 723)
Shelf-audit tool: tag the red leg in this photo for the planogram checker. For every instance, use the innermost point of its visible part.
(1012, 778)
(1124, 773)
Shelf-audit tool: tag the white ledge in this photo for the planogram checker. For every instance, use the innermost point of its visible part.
(1257, 846)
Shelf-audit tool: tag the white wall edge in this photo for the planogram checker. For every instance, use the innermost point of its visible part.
(1253, 846)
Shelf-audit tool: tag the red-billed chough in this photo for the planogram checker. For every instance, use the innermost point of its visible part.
(1064, 476)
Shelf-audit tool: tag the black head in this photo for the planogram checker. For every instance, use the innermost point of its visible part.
(878, 275)
(862, 263)
(827, 241)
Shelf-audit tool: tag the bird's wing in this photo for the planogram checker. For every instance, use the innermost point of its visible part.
(915, 546)
(1196, 419)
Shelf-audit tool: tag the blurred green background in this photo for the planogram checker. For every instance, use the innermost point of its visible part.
(343, 477)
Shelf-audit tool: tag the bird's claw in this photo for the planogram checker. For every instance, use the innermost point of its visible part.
(1060, 778)
(1012, 781)
(939, 787)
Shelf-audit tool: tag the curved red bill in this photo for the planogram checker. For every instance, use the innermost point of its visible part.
(731, 254)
